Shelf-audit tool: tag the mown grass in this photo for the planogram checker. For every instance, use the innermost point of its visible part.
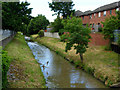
(25, 68)
(98, 62)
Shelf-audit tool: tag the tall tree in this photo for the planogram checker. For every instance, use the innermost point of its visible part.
(36, 24)
(79, 35)
(64, 8)
(57, 25)
(110, 24)
(15, 15)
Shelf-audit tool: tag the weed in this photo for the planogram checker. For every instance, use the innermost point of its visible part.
(57, 52)
(109, 83)
(71, 61)
(77, 63)
(32, 80)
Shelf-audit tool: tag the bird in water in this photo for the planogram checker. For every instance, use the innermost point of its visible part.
(43, 67)
(47, 62)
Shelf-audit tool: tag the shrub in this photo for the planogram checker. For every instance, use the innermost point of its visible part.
(100, 29)
(57, 25)
(36, 24)
(108, 48)
(41, 33)
(5, 67)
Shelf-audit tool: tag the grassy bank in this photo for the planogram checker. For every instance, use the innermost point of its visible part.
(103, 65)
(24, 70)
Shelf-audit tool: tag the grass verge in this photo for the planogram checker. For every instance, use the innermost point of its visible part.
(24, 71)
(102, 64)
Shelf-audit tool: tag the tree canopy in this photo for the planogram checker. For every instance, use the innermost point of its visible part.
(79, 35)
(57, 25)
(110, 24)
(15, 15)
(36, 24)
(64, 8)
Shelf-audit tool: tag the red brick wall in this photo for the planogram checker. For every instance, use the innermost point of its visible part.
(85, 20)
(98, 39)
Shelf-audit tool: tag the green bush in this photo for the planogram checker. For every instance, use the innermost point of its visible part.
(5, 67)
(57, 25)
(100, 29)
(36, 24)
(108, 48)
(41, 33)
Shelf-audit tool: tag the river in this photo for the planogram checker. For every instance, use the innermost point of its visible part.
(59, 73)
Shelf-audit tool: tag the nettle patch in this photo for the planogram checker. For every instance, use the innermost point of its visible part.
(5, 67)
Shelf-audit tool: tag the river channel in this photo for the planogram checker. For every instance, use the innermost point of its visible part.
(59, 73)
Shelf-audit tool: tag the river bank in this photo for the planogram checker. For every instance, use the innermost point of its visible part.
(24, 71)
(103, 65)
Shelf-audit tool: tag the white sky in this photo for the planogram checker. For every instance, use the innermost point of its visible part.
(42, 7)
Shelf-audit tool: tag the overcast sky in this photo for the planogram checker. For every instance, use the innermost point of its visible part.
(42, 7)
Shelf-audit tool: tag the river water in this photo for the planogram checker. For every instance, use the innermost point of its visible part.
(59, 73)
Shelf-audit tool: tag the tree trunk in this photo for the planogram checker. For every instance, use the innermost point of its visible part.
(81, 57)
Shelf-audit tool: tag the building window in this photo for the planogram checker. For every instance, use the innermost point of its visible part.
(110, 12)
(117, 9)
(83, 17)
(94, 15)
(90, 25)
(99, 14)
(104, 13)
(90, 16)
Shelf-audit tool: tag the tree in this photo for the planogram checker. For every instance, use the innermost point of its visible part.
(0, 14)
(15, 15)
(57, 25)
(36, 24)
(110, 24)
(64, 8)
(79, 35)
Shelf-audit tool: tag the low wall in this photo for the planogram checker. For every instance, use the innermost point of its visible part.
(54, 35)
(5, 41)
(98, 39)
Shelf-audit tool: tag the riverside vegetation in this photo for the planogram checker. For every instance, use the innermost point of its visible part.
(102, 64)
(24, 71)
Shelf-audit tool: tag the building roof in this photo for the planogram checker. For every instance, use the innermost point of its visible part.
(78, 13)
(108, 7)
(99, 9)
(87, 12)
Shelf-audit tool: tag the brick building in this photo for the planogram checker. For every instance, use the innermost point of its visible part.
(95, 17)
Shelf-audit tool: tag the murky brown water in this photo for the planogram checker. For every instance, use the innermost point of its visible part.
(59, 73)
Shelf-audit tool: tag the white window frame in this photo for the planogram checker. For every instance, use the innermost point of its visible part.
(94, 14)
(91, 16)
(104, 13)
(111, 12)
(99, 14)
(117, 9)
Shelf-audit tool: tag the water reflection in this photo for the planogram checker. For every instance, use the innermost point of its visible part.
(60, 73)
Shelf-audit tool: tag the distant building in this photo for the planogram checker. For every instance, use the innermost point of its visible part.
(95, 17)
